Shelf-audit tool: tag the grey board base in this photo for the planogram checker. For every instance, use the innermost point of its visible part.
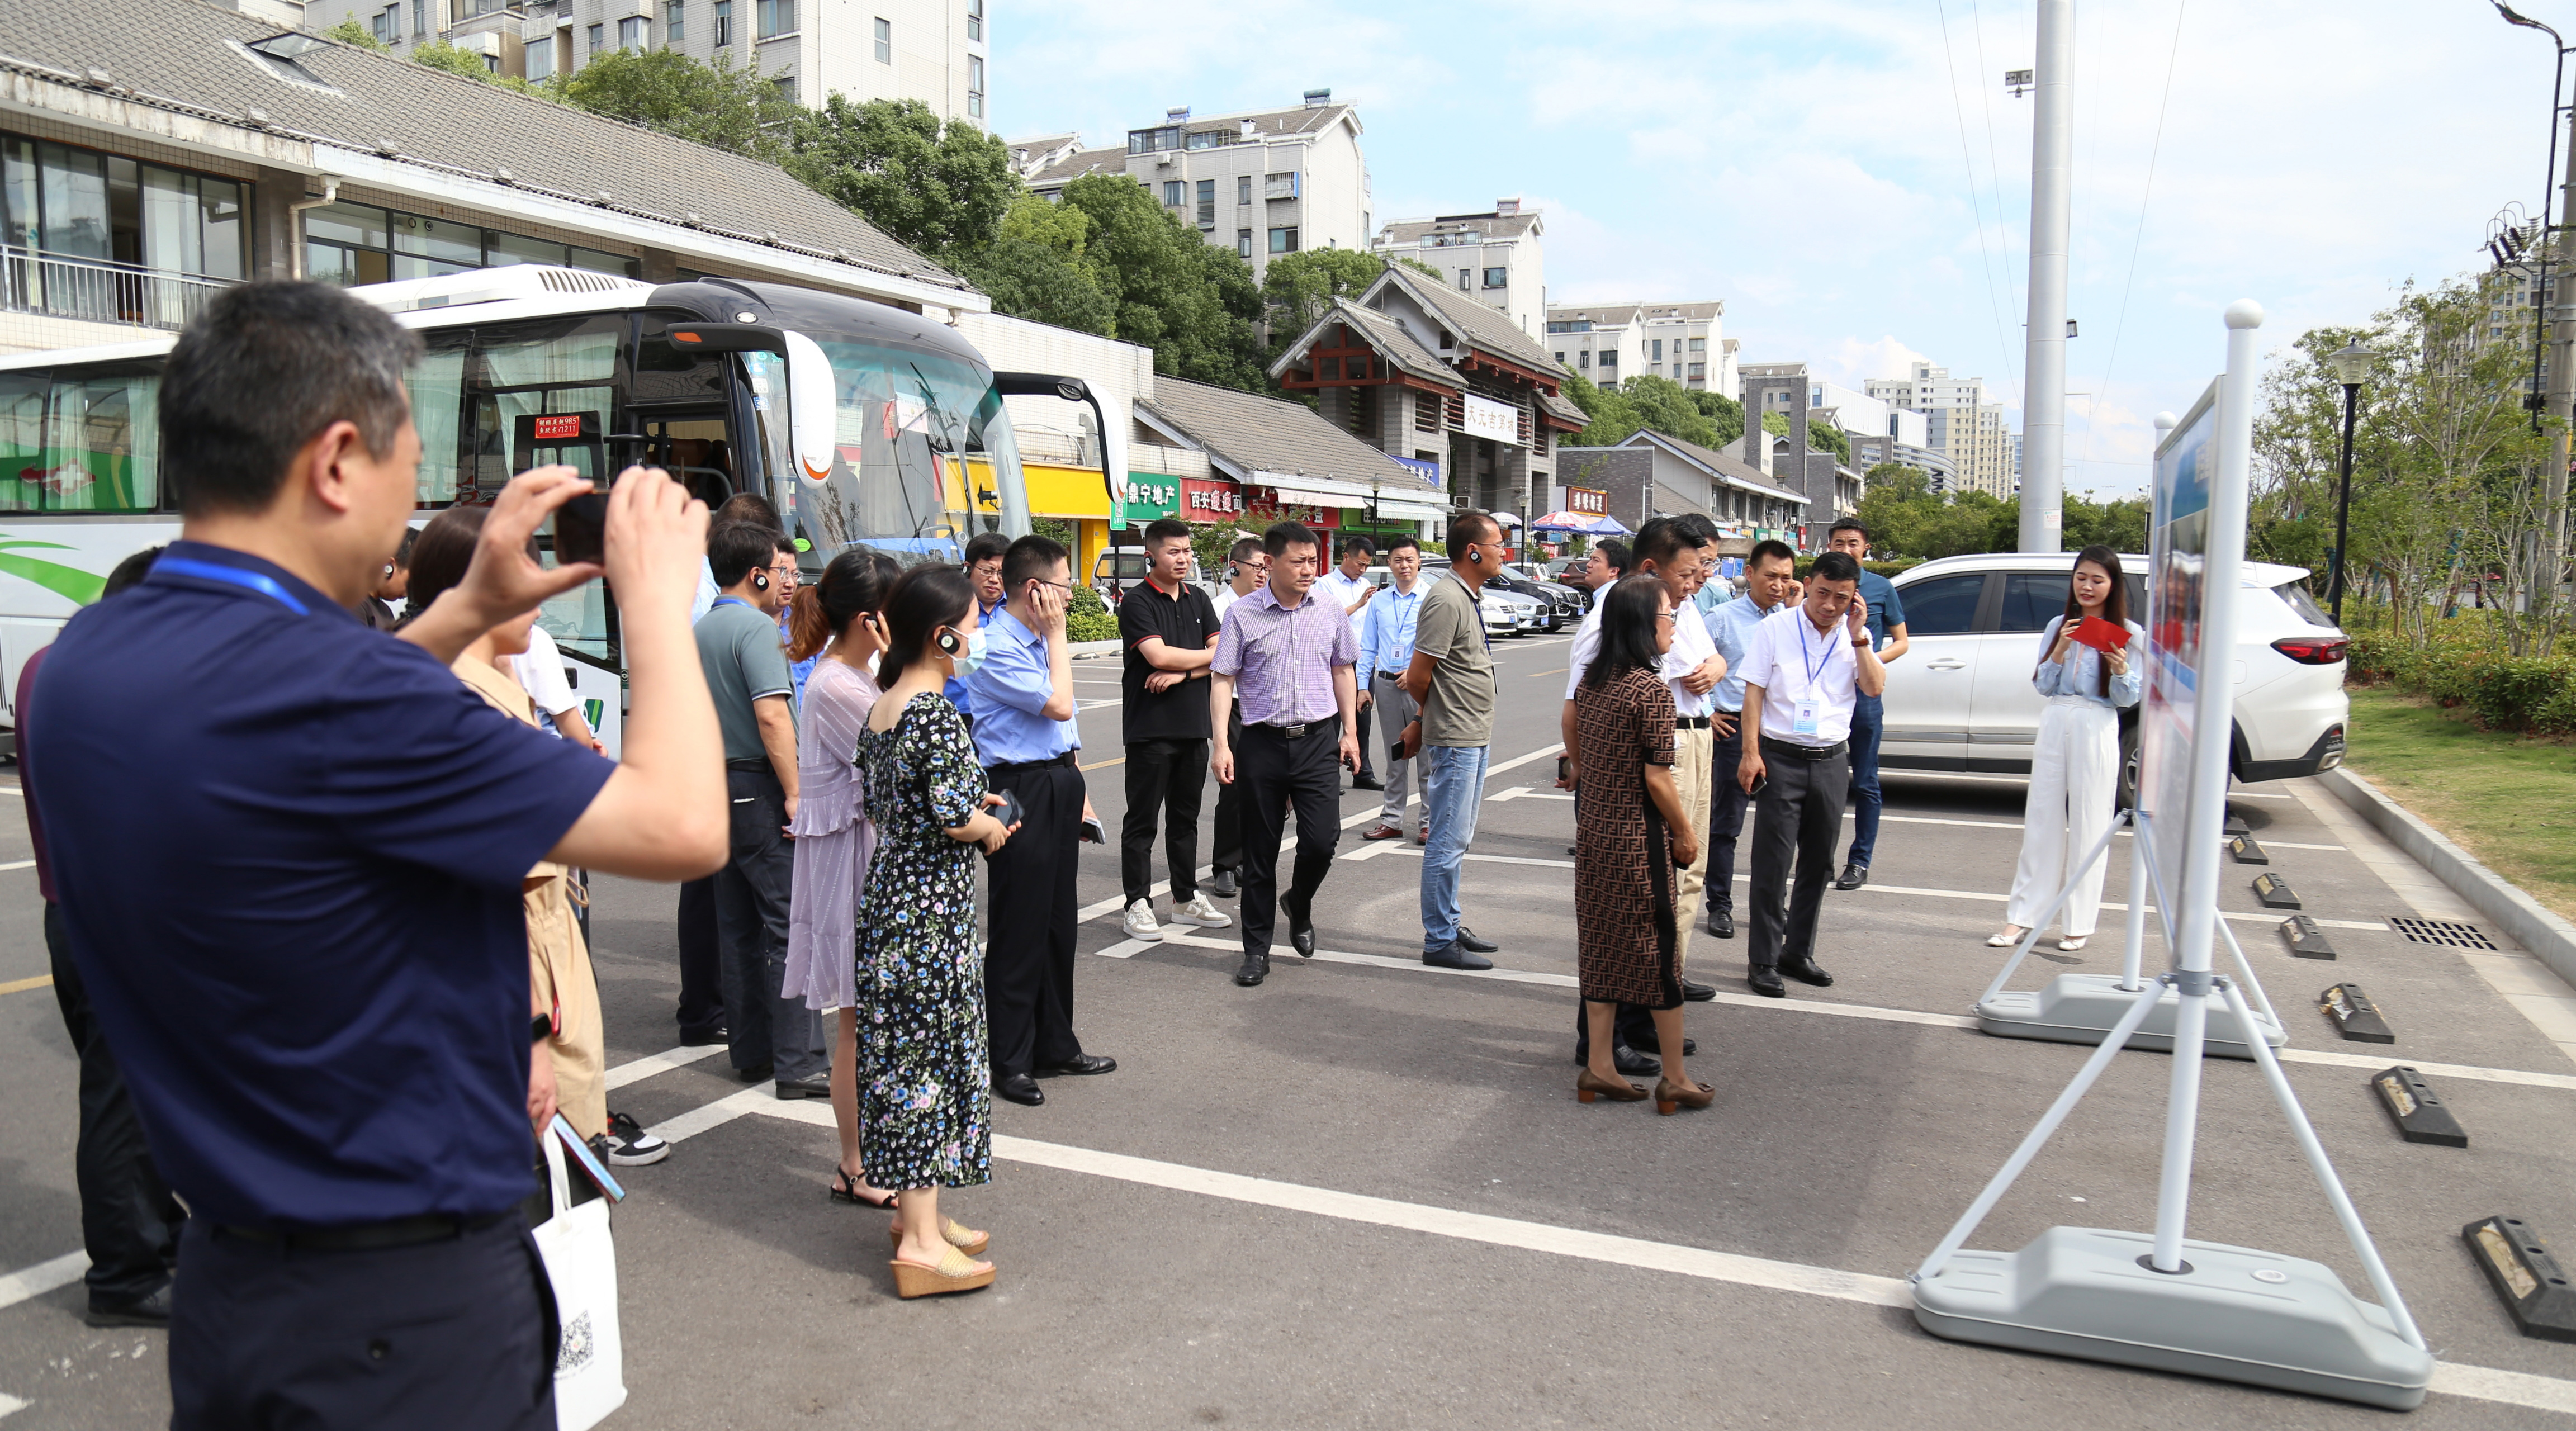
(2080, 1008)
(2082, 1292)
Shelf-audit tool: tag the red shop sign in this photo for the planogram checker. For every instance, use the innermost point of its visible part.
(1263, 507)
(1207, 500)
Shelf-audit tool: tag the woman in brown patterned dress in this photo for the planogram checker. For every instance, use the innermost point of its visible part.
(1631, 840)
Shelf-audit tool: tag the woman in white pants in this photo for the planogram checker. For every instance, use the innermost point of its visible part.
(2075, 768)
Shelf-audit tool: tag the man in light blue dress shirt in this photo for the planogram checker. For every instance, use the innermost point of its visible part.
(1024, 734)
(1386, 649)
(1770, 572)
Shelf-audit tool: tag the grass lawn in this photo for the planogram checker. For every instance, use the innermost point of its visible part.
(2510, 800)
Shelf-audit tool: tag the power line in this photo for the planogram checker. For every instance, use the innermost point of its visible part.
(1995, 171)
(2173, 55)
(1967, 161)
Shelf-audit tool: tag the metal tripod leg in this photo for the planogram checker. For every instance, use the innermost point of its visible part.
(2100, 846)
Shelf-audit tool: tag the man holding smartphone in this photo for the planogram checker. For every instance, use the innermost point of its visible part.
(1888, 638)
(1805, 668)
(1022, 689)
(1168, 628)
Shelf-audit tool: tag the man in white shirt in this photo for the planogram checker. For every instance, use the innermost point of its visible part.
(1804, 670)
(1348, 587)
(1251, 569)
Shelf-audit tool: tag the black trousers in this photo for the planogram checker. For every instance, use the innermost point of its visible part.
(1799, 819)
(1366, 768)
(1275, 773)
(701, 961)
(751, 928)
(1226, 833)
(1165, 778)
(129, 1222)
(1028, 950)
(454, 1333)
(1726, 802)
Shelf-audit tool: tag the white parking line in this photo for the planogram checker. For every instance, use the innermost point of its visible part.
(653, 1063)
(2511, 1388)
(44, 1277)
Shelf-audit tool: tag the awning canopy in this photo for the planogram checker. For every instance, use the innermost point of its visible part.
(1411, 512)
(1580, 523)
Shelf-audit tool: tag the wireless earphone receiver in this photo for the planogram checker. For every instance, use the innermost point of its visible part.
(760, 581)
(948, 643)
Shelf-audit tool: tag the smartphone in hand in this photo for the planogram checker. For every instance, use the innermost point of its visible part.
(1093, 832)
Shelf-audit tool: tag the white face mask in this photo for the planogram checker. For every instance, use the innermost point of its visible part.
(973, 655)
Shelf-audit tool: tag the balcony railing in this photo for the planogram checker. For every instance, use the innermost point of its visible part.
(96, 290)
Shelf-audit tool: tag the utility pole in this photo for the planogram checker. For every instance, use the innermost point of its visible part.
(2561, 395)
(2052, 145)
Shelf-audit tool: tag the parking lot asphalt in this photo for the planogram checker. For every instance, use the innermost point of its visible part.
(1363, 1194)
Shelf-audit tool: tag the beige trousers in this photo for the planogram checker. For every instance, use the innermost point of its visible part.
(1690, 780)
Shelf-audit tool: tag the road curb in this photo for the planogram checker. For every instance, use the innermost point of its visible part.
(1080, 649)
(2551, 939)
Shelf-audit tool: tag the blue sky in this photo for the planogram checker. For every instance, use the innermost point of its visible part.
(1856, 190)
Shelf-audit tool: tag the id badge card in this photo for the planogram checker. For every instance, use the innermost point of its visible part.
(1803, 717)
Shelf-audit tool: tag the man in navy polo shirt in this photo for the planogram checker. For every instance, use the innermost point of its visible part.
(289, 852)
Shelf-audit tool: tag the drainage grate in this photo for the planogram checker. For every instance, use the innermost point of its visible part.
(2441, 931)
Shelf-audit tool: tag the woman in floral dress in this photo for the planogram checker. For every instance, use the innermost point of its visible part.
(925, 1105)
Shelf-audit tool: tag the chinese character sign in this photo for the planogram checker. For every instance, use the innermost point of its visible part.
(1209, 500)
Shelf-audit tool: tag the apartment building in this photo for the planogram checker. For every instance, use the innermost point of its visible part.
(1829, 488)
(1961, 424)
(1495, 258)
(935, 51)
(1263, 183)
(1610, 342)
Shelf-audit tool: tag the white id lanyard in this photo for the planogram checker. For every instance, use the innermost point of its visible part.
(1806, 713)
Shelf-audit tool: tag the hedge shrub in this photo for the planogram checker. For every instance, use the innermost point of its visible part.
(1088, 618)
(2530, 694)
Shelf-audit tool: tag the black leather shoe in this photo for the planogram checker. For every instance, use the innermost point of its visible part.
(1631, 1063)
(1767, 983)
(1721, 922)
(1021, 1089)
(1697, 993)
(1222, 885)
(1807, 971)
(1853, 877)
(757, 1073)
(1468, 941)
(704, 1037)
(151, 1311)
(1080, 1063)
(1301, 936)
(818, 1086)
(1366, 781)
(1456, 956)
(1256, 967)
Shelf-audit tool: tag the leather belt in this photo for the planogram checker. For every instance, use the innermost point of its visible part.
(1289, 732)
(367, 1236)
(1690, 722)
(752, 767)
(1773, 746)
(1052, 760)
(1395, 676)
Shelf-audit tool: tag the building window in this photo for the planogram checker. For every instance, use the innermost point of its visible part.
(974, 19)
(1466, 277)
(1699, 345)
(419, 17)
(384, 27)
(1583, 359)
(724, 23)
(1496, 278)
(1699, 372)
(673, 17)
(1609, 357)
(774, 17)
(1207, 203)
(1174, 193)
(1243, 188)
(359, 243)
(1280, 186)
(1560, 358)
(541, 59)
(84, 204)
(1655, 349)
(885, 41)
(1283, 240)
(634, 33)
(1243, 243)
(785, 85)
(598, 37)
(975, 86)
(1152, 141)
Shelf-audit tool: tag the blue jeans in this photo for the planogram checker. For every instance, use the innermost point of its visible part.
(1453, 789)
(1869, 718)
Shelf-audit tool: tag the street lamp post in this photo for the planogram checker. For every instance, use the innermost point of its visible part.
(2351, 364)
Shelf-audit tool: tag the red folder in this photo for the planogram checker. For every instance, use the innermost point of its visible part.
(2099, 634)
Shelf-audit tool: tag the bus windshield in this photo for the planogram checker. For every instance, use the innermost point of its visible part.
(913, 431)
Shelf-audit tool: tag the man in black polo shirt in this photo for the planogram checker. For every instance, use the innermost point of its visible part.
(289, 852)
(1169, 629)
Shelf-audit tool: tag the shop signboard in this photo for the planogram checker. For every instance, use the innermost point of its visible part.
(1262, 508)
(1146, 496)
(1497, 420)
(1207, 499)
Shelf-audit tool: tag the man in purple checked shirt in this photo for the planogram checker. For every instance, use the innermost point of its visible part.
(1289, 656)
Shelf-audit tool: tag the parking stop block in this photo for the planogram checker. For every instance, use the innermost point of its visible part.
(2305, 939)
(2419, 1111)
(2355, 1016)
(2245, 850)
(2275, 892)
(2519, 1267)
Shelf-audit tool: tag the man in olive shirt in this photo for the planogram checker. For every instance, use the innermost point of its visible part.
(747, 673)
(1452, 675)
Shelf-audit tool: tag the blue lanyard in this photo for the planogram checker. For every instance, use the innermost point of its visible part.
(728, 601)
(255, 581)
(1814, 668)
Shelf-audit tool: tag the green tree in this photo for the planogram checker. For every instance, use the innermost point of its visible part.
(1190, 301)
(350, 32)
(1298, 287)
(440, 55)
(941, 189)
(1610, 418)
(1035, 270)
(1420, 267)
(715, 105)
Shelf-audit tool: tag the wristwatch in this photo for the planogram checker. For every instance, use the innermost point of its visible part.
(540, 1027)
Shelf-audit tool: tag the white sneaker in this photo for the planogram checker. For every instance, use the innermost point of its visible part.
(1202, 912)
(1140, 921)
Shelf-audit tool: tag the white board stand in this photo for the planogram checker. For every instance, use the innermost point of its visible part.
(2162, 1300)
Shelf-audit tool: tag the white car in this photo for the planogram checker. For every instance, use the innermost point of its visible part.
(1961, 697)
(1505, 614)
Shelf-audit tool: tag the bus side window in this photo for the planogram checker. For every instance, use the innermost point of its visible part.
(564, 365)
(83, 439)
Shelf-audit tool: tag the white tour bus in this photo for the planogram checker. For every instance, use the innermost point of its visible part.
(862, 422)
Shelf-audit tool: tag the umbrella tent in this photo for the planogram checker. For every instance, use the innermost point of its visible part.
(1580, 523)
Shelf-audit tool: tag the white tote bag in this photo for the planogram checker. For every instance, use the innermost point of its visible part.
(581, 1262)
